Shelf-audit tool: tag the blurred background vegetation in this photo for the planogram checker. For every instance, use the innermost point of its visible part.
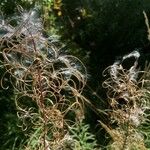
(96, 31)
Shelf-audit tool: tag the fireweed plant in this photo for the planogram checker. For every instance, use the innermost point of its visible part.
(48, 84)
(127, 92)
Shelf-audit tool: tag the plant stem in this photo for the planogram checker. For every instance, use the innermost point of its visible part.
(42, 106)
